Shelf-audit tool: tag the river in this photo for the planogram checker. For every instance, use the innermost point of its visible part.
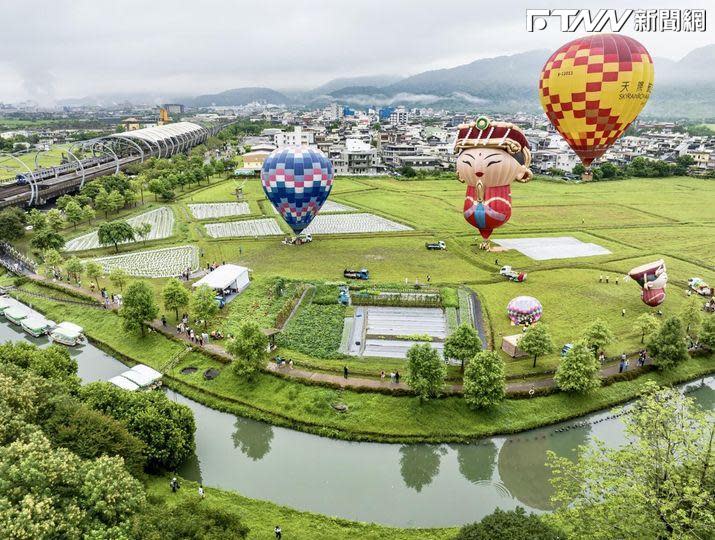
(416, 485)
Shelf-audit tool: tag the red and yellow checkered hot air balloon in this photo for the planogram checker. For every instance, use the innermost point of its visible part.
(592, 88)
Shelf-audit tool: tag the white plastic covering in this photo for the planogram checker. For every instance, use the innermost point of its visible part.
(142, 375)
(161, 133)
(124, 383)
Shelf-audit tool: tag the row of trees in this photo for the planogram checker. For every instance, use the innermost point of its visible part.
(72, 458)
(640, 167)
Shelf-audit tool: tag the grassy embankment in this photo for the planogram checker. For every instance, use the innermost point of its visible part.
(370, 416)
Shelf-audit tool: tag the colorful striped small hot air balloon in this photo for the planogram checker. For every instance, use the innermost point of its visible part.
(593, 87)
(297, 181)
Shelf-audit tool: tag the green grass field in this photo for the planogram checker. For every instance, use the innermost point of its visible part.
(638, 220)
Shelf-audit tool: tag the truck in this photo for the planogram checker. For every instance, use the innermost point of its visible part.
(699, 286)
(363, 273)
(512, 275)
(436, 245)
(298, 240)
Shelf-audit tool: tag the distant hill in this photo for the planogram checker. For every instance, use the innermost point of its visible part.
(346, 82)
(240, 96)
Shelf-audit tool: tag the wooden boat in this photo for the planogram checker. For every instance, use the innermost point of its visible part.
(36, 325)
(68, 333)
(16, 314)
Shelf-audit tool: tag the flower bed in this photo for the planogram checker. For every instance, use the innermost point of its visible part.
(353, 223)
(249, 227)
(156, 263)
(162, 226)
(219, 210)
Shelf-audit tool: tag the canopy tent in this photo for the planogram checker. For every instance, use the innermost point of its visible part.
(226, 276)
(124, 383)
(142, 375)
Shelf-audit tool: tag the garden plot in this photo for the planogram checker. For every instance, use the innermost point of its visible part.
(219, 210)
(331, 207)
(162, 226)
(557, 247)
(156, 263)
(353, 223)
(381, 326)
(249, 227)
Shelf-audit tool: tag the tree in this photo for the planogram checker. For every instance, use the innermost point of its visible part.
(12, 224)
(115, 232)
(484, 380)
(536, 341)
(94, 271)
(645, 325)
(578, 372)
(203, 303)
(249, 350)
(52, 259)
(74, 213)
(118, 277)
(166, 428)
(176, 296)
(142, 231)
(664, 475)
(88, 213)
(707, 336)
(115, 200)
(102, 202)
(37, 219)
(157, 186)
(509, 525)
(462, 344)
(44, 239)
(667, 346)
(190, 519)
(598, 335)
(90, 434)
(50, 492)
(62, 201)
(55, 220)
(74, 268)
(425, 371)
(407, 171)
(692, 317)
(138, 307)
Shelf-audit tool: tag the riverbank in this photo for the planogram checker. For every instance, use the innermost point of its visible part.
(263, 516)
(370, 416)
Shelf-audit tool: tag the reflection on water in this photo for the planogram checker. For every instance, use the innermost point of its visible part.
(476, 461)
(252, 438)
(401, 485)
(522, 463)
(419, 464)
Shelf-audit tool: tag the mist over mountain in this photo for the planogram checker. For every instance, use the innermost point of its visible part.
(508, 83)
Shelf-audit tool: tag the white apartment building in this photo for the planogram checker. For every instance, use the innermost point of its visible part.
(355, 157)
(399, 116)
(297, 137)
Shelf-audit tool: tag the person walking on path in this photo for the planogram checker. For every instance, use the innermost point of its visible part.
(397, 377)
(278, 532)
(621, 366)
(201, 492)
(623, 312)
(163, 321)
(174, 485)
(345, 372)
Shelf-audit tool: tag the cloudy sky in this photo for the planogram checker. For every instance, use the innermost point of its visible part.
(60, 48)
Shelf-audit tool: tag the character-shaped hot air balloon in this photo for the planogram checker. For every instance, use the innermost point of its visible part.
(653, 279)
(491, 156)
(297, 181)
(593, 87)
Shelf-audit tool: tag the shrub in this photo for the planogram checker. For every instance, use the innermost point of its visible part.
(315, 330)
(509, 525)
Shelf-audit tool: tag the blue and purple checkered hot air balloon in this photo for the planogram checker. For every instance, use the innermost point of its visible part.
(297, 180)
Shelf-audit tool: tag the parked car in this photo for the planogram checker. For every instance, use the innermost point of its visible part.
(436, 245)
(363, 273)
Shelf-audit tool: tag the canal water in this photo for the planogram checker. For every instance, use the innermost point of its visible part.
(416, 485)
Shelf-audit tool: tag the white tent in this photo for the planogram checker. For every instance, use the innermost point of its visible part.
(124, 383)
(226, 276)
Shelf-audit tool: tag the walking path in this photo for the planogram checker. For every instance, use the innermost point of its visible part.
(326, 378)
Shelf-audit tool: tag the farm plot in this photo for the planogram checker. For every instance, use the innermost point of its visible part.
(156, 263)
(219, 210)
(249, 227)
(162, 226)
(353, 223)
(332, 207)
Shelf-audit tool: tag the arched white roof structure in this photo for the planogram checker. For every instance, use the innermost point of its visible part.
(167, 140)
